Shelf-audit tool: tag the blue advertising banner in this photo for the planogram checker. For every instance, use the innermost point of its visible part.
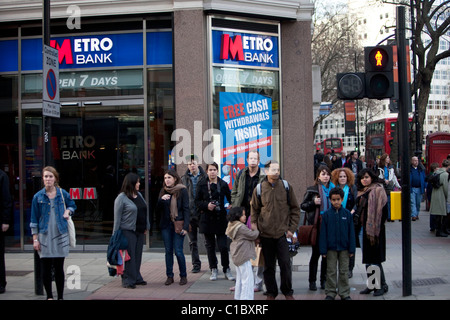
(245, 49)
(245, 124)
(93, 51)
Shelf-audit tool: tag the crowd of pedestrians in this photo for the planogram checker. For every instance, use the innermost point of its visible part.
(261, 209)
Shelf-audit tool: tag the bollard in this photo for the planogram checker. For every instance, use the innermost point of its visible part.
(396, 205)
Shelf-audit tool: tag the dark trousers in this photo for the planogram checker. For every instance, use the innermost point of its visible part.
(273, 250)
(210, 244)
(132, 272)
(314, 263)
(57, 265)
(193, 244)
(2, 260)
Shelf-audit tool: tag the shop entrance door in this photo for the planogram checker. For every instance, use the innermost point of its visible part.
(94, 145)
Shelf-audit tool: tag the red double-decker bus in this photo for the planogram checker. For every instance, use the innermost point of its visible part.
(379, 138)
(330, 145)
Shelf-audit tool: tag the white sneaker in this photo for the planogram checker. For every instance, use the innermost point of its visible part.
(213, 276)
(229, 276)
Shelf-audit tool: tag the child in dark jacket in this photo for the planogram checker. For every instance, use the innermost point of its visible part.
(337, 244)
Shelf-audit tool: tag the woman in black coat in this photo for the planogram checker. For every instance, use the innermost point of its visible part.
(372, 213)
(317, 197)
(172, 206)
(210, 200)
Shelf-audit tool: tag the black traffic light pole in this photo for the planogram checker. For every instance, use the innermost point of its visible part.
(403, 120)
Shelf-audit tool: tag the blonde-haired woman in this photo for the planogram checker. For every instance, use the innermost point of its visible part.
(50, 209)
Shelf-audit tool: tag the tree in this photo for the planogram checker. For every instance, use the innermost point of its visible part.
(430, 30)
(333, 48)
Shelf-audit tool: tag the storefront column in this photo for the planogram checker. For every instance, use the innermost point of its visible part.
(297, 118)
(190, 68)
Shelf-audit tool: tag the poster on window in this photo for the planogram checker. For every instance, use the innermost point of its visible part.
(245, 124)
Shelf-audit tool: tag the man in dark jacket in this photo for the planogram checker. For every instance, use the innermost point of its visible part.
(418, 185)
(193, 176)
(354, 163)
(5, 217)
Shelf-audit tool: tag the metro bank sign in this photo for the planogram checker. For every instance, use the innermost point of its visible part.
(245, 49)
(89, 51)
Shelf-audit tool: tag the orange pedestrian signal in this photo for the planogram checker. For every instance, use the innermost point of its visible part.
(379, 79)
(379, 57)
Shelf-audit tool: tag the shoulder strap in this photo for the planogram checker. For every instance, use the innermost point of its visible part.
(62, 195)
(286, 187)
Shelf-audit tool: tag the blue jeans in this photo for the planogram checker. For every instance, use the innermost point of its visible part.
(416, 199)
(173, 243)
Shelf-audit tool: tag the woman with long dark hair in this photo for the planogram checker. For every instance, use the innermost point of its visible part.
(372, 213)
(173, 208)
(317, 197)
(130, 215)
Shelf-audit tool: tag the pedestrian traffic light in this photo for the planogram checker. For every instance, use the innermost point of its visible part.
(350, 86)
(379, 76)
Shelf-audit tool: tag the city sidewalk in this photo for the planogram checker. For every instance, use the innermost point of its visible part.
(430, 274)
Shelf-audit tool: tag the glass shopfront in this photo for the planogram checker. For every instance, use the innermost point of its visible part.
(116, 117)
(245, 87)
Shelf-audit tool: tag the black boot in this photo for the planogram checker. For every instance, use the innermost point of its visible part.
(367, 290)
(440, 226)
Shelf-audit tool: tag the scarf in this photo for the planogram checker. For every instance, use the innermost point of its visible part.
(377, 199)
(174, 192)
(346, 190)
(324, 192)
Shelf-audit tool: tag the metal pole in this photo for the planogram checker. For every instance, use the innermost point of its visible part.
(357, 115)
(38, 283)
(404, 106)
(418, 151)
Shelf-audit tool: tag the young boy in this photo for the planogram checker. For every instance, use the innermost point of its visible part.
(337, 244)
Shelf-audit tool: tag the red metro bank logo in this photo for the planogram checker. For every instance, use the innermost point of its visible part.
(246, 49)
(83, 51)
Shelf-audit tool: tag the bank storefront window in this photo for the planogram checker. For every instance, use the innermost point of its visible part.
(9, 152)
(116, 117)
(245, 86)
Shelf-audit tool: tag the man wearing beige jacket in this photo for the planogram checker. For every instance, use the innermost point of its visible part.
(275, 213)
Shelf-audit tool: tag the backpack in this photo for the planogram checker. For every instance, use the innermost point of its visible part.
(434, 180)
(286, 186)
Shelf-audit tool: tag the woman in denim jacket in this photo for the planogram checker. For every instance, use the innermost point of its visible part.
(49, 214)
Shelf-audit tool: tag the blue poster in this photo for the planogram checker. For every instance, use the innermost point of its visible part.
(245, 124)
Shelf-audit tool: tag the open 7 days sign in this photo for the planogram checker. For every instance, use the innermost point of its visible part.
(50, 92)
